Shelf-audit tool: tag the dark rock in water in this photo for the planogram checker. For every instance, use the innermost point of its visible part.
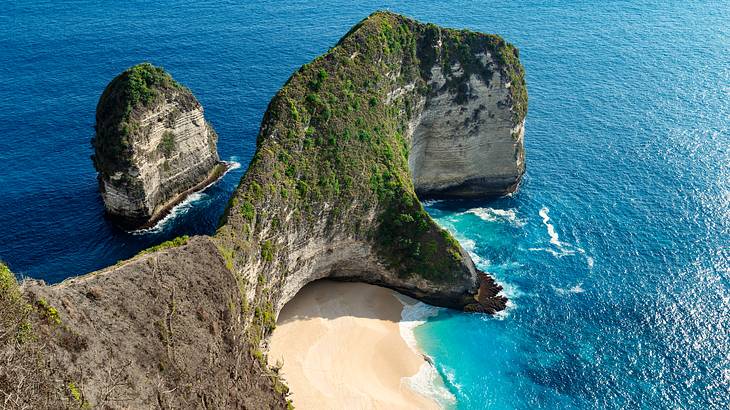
(153, 146)
(488, 298)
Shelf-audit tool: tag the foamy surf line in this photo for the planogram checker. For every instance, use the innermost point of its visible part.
(427, 381)
(560, 248)
(495, 215)
(186, 203)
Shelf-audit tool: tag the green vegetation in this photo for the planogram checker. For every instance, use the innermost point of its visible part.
(265, 316)
(332, 155)
(247, 210)
(167, 145)
(15, 311)
(332, 142)
(267, 251)
(77, 396)
(137, 88)
(227, 256)
(74, 391)
(172, 243)
(48, 312)
(142, 81)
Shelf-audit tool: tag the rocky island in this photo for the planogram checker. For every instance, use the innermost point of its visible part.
(397, 108)
(152, 147)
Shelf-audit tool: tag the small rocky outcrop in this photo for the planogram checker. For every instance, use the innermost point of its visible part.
(152, 147)
(343, 149)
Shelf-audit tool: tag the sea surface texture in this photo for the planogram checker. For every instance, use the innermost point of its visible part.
(614, 253)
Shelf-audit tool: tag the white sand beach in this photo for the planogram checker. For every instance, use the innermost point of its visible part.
(341, 347)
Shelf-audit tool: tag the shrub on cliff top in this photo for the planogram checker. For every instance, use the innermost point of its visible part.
(14, 310)
(135, 89)
(172, 243)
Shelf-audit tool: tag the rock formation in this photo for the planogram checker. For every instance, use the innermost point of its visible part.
(330, 192)
(467, 139)
(153, 146)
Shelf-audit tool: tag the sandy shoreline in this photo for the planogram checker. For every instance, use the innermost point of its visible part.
(341, 347)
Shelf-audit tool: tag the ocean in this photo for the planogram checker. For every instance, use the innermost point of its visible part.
(615, 252)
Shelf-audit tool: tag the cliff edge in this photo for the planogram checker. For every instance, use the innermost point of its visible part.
(152, 146)
(343, 149)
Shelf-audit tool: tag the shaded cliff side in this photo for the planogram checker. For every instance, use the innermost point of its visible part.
(329, 193)
(152, 147)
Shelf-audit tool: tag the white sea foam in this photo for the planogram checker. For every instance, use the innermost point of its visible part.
(414, 314)
(495, 215)
(467, 244)
(576, 289)
(560, 248)
(427, 381)
(184, 206)
(573, 289)
(431, 202)
(554, 238)
(548, 250)
(179, 209)
(451, 378)
(233, 165)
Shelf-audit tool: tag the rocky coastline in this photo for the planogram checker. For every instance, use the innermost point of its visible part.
(344, 148)
(215, 174)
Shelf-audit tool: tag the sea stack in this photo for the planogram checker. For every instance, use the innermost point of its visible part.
(152, 147)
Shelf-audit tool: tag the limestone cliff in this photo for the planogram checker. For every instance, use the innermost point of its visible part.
(467, 137)
(153, 145)
(331, 192)
(347, 142)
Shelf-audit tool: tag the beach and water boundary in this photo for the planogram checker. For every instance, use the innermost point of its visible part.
(341, 342)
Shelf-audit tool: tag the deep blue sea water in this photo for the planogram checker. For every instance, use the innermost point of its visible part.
(614, 253)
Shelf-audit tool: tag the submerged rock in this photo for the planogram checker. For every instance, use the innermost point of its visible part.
(152, 147)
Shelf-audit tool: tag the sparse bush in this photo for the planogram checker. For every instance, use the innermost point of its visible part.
(167, 144)
(172, 243)
(267, 251)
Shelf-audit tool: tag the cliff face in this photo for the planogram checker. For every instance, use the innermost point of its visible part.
(331, 192)
(152, 145)
(162, 330)
(397, 107)
(467, 138)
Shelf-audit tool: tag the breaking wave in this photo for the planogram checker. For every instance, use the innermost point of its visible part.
(565, 291)
(183, 207)
(560, 248)
(495, 215)
(427, 381)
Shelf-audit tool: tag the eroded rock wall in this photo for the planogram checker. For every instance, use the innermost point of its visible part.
(467, 143)
(162, 330)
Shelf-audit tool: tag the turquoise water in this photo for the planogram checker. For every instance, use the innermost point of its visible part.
(614, 253)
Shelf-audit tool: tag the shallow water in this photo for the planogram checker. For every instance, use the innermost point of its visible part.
(614, 253)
